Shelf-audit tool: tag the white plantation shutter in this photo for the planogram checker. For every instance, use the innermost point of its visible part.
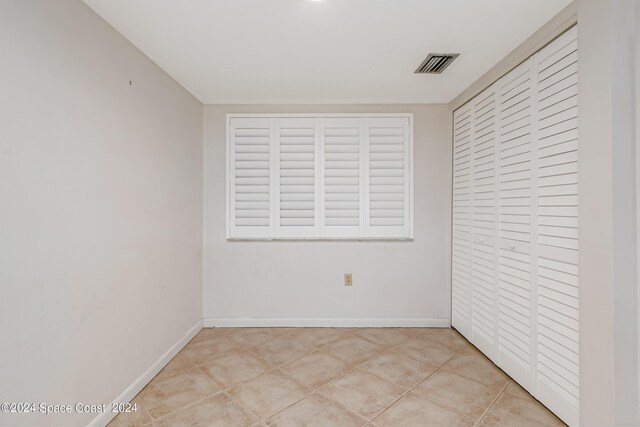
(486, 111)
(249, 207)
(388, 177)
(557, 248)
(462, 226)
(295, 147)
(341, 152)
(319, 177)
(515, 192)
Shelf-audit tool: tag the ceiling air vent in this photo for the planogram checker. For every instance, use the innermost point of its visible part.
(436, 63)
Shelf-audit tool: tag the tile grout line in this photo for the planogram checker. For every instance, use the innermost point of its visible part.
(314, 390)
(484, 414)
(221, 391)
(278, 368)
(243, 406)
(243, 348)
(273, 367)
(416, 385)
(355, 367)
(444, 370)
(501, 391)
(246, 348)
(225, 390)
(391, 349)
(145, 409)
(197, 368)
(359, 365)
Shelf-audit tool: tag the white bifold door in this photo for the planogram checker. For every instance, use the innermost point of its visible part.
(515, 224)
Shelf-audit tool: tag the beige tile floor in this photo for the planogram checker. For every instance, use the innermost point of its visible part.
(333, 377)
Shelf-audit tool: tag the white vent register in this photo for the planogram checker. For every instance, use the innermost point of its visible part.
(319, 176)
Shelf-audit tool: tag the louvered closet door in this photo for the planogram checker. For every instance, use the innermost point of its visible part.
(515, 295)
(484, 244)
(249, 177)
(341, 142)
(295, 148)
(557, 258)
(462, 223)
(389, 169)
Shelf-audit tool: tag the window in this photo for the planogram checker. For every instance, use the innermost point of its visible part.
(321, 176)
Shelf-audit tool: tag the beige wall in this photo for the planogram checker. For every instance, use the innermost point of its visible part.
(637, 180)
(608, 282)
(100, 210)
(301, 283)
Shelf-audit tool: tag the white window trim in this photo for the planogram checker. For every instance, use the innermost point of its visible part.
(318, 237)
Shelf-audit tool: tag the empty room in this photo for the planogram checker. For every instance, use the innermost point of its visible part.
(322, 213)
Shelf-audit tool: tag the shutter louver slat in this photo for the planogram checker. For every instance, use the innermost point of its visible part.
(319, 176)
(341, 149)
(388, 157)
(296, 148)
(250, 150)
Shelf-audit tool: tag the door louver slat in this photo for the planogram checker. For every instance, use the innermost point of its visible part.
(462, 220)
(484, 220)
(515, 297)
(558, 319)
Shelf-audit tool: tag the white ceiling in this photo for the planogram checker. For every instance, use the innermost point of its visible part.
(334, 51)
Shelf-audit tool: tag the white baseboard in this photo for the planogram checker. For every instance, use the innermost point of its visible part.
(327, 322)
(138, 384)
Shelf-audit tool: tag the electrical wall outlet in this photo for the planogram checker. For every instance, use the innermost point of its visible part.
(348, 279)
